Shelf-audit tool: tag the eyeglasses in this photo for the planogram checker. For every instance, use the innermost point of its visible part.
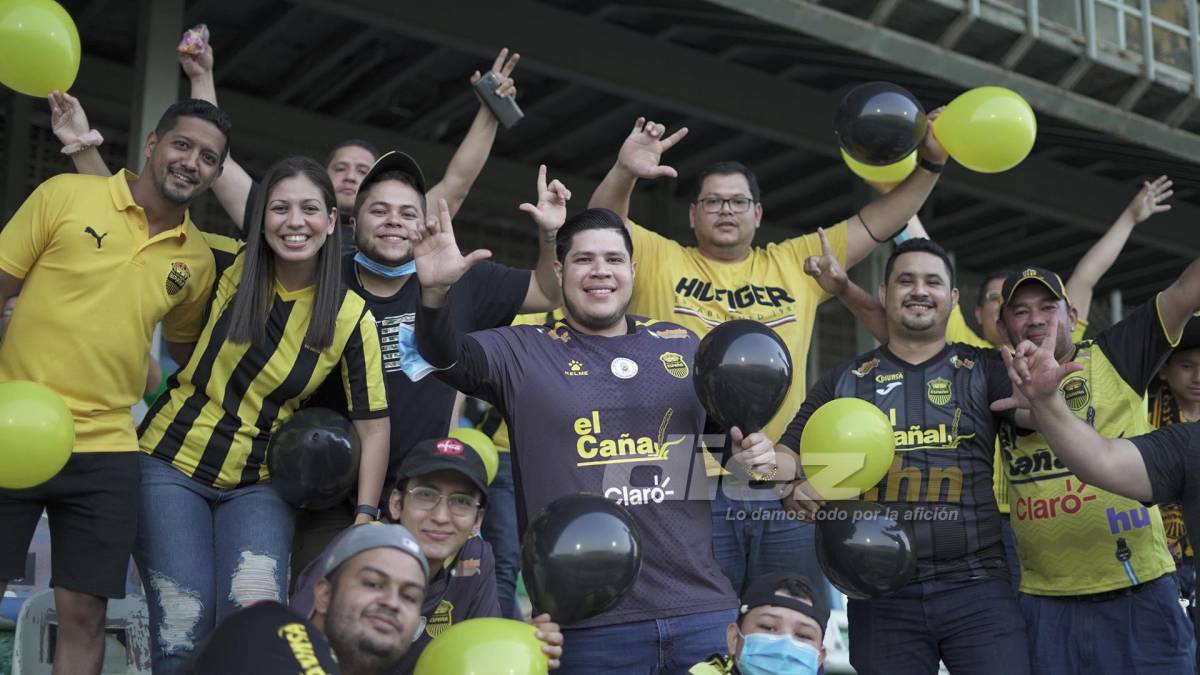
(715, 204)
(994, 296)
(427, 499)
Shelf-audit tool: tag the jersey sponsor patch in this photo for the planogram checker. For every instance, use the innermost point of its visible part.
(670, 333)
(674, 364)
(866, 368)
(177, 277)
(887, 388)
(938, 391)
(574, 369)
(441, 619)
(467, 568)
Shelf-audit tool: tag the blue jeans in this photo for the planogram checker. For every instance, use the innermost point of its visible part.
(656, 647)
(756, 537)
(1144, 633)
(500, 530)
(203, 554)
(975, 627)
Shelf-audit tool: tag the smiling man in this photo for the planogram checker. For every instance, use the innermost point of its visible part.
(1090, 559)
(600, 402)
(959, 606)
(102, 262)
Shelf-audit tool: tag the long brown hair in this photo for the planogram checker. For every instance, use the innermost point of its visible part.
(252, 303)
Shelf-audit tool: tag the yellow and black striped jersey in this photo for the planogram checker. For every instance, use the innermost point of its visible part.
(215, 421)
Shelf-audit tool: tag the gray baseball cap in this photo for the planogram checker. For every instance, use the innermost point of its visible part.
(372, 535)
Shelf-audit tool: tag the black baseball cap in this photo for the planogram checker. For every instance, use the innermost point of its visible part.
(444, 454)
(394, 160)
(764, 590)
(1039, 274)
(263, 639)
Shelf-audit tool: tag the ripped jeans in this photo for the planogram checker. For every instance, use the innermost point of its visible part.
(203, 554)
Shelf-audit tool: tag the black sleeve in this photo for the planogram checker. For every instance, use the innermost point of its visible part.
(999, 384)
(1137, 345)
(1166, 455)
(818, 395)
(497, 293)
(462, 362)
(248, 214)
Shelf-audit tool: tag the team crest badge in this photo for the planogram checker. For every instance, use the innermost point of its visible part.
(674, 364)
(441, 619)
(177, 277)
(1075, 391)
(938, 391)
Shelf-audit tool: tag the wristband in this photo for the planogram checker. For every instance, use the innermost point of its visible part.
(367, 510)
(902, 236)
(929, 166)
(89, 139)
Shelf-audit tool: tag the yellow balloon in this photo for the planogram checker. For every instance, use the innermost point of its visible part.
(482, 445)
(37, 433)
(888, 174)
(987, 129)
(486, 646)
(39, 47)
(847, 447)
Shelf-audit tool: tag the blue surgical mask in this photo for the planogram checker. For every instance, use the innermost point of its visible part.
(386, 271)
(768, 654)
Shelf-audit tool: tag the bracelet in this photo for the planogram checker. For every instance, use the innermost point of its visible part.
(367, 510)
(90, 139)
(868, 229)
(929, 166)
(902, 236)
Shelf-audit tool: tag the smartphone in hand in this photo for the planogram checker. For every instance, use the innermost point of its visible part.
(505, 108)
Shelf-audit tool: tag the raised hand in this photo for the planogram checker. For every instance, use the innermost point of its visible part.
(1151, 199)
(1034, 371)
(930, 148)
(551, 209)
(195, 52)
(439, 262)
(825, 268)
(642, 151)
(69, 122)
(503, 67)
(549, 633)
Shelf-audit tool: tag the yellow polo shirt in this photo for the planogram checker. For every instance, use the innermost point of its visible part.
(677, 283)
(95, 286)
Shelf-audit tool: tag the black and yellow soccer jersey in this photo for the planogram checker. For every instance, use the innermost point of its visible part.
(1073, 538)
(945, 430)
(215, 421)
(1164, 411)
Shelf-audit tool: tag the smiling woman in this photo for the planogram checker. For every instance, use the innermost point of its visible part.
(211, 529)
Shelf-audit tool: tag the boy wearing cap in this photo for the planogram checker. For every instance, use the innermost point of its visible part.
(780, 630)
(440, 496)
(1091, 560)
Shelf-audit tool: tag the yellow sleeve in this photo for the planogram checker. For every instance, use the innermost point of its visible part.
(1080, 329)
(800, 249)
(362, 371)
(30, 231)
(957, 330)
(650, 246)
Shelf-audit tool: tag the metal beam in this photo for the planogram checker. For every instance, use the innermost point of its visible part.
(893, 46)
(565, 142)
(366, 61)
(358, 106)
(275, 130)
(337, 50)
(255, 37)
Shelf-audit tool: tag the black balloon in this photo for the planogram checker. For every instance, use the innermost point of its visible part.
(865, 548)
(313, 458)
(579, 556)
(879, 123)
(742, 373)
